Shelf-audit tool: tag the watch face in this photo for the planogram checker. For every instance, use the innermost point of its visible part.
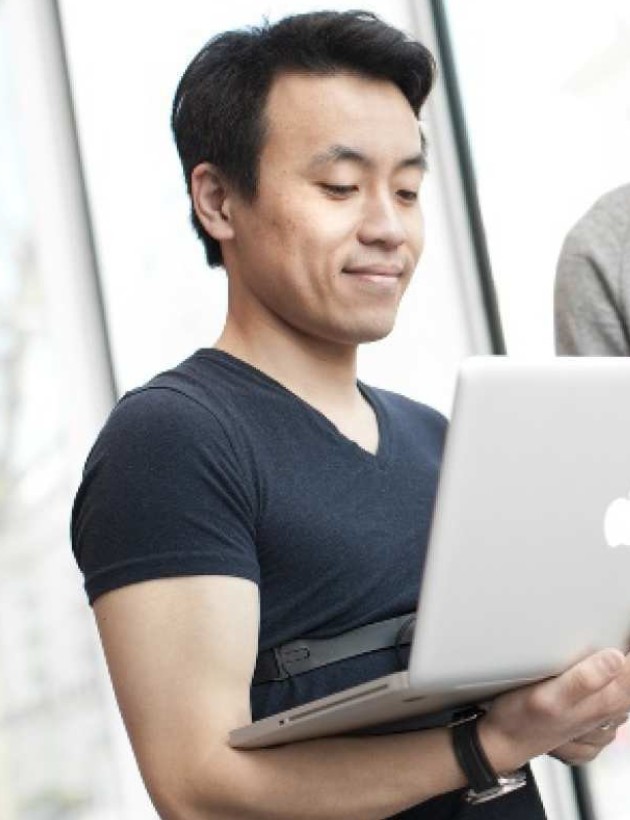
(507, 783)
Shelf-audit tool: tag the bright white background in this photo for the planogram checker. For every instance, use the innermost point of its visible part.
(546, 89)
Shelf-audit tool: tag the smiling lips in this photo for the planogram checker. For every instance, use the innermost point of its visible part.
(379, 274)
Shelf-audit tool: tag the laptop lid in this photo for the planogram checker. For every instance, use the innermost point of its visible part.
(529, 560)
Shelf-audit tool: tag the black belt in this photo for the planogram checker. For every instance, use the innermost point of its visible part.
(297, 657)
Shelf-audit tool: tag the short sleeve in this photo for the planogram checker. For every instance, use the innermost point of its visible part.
(163, 494)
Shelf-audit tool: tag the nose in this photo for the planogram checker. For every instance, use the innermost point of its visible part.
(382, 222)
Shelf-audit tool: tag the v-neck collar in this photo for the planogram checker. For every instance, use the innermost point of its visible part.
(379, 458)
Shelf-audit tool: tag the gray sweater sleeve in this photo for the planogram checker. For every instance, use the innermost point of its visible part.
(592, 291)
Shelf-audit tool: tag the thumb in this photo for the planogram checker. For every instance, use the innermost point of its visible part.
(592, 674)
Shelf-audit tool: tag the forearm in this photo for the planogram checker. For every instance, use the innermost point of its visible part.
(375, 777)
(345, 778)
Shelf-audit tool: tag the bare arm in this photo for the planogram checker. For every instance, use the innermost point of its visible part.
(181, 653)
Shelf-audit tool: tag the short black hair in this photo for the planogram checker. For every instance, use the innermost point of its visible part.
(218, 109)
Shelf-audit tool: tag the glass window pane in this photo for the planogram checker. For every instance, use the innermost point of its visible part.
(55, 746)
(545, 89)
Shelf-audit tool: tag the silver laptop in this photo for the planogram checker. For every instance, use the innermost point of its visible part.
(528, 566)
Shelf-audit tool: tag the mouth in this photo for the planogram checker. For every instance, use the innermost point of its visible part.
(383, 275)
(386, 271)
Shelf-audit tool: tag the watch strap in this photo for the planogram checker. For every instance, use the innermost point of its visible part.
(471, 757)
(485, 784)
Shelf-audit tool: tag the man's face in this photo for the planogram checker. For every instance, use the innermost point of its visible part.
(329, 245)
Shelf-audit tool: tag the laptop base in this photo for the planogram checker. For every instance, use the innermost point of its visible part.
(383, 706)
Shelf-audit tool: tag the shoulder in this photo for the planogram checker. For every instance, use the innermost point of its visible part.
(155, 426)
(170, 437)
(164, 492)
(604, 228)
(614, 205)
(184, 406)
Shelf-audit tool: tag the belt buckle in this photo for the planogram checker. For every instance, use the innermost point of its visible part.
(292, 659)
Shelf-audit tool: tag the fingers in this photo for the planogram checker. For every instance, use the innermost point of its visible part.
(550, 715)
(591, 675)
(581, 696)
(585, 748)
(576, 754)
(603, 734)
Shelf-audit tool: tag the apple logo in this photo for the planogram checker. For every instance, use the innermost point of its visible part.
(617, 523)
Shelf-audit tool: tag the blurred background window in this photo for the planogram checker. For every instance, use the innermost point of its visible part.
(56, 757)
(546, 93)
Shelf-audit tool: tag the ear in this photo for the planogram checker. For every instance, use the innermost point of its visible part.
(211, 201)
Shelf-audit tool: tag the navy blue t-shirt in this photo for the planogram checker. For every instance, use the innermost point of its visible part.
(215, 468)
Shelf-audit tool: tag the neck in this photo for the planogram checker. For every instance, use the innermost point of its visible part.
(322, 373)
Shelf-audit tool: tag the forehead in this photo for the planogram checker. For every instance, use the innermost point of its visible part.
(307, 113)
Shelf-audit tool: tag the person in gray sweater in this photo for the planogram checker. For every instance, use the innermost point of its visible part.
(592, 289)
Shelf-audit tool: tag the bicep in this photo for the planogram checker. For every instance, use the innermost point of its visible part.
(181, 654)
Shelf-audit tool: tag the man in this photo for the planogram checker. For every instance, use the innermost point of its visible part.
(592, 292)
(259, 493)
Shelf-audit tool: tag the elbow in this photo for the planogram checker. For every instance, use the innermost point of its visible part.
(179, 804)
(189, 797)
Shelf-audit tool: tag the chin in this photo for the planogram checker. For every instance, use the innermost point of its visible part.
(363, 334)
(352, 329)
(374, 337)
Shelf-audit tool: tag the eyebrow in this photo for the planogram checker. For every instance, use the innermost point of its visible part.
(344, 153)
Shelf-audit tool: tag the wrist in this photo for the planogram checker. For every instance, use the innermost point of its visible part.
(503, 752)
(484, 780)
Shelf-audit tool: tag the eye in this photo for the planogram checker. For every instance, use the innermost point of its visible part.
(408, 196)
(339, 191)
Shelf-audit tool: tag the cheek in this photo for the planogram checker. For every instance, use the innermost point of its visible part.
(278, 226)
(330, 227)
(416, 235)
(301, 233)
(317, 235)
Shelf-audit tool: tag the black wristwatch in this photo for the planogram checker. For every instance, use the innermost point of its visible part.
(485, 784)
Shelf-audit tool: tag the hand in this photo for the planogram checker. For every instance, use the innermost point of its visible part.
(586, 747)
(559, 714)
